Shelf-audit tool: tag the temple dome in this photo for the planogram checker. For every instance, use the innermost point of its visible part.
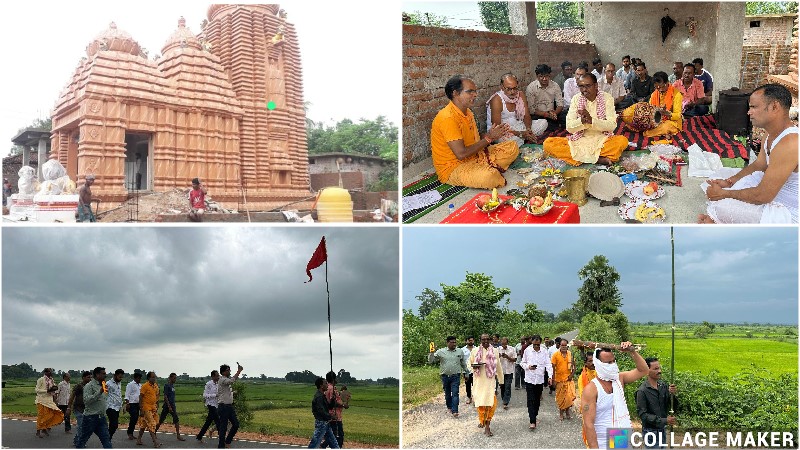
(113, 39)
(182, 37)
(213, 10)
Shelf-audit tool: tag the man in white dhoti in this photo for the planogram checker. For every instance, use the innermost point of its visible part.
(766, 190)
(603, 401)
(509, 106)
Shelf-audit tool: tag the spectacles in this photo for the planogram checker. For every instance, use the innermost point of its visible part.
(511, 89)
(471, 91)
(585, 85)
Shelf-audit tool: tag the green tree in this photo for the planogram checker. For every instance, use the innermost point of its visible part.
(429, 300)
(594, 327)
(568, 315)
(473, 307)
(702, 331)
(619, 322)
(757, 8)
(495, 16)
(599, 292)
(532, 313)
(377, 137)
(425, 19)
(559, 14)
(243, 412)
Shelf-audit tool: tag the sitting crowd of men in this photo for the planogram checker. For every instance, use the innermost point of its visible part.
(587, 105)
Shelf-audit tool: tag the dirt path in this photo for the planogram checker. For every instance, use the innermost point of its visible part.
(431, 425)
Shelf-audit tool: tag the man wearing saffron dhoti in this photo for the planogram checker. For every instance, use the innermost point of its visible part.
(460, 156)
(603, 401)
(48, 414)
(591, 122)
(487, 371)
(564, 370)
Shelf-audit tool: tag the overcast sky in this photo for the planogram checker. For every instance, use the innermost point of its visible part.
(350, 51)
(189, 299)
(723, 274)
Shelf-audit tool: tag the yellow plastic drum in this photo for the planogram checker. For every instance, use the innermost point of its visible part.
(334, 205)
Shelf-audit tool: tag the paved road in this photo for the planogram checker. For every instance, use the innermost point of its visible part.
(431, 426)
(22, 434)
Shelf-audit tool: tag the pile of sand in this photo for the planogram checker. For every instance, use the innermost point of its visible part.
(151, 205)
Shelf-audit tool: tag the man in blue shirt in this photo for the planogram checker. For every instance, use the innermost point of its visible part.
(703, 75)
(169, 406)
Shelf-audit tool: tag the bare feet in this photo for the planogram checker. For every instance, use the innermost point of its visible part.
(480, 425)
(603, 161)
(181, 439)
(488, 430)
(39, 434)
(455, 415)
(705, 218)
(532, 426)
(505, 406)
(139, 442)
(130, 437)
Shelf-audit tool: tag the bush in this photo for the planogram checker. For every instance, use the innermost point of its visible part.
(754, 399)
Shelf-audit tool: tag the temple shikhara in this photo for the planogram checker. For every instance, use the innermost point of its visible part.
(224, 105)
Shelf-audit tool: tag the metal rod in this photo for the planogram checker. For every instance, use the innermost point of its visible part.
(672, 359)
(330, 338)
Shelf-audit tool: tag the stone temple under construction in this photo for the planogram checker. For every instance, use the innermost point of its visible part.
(225, 105)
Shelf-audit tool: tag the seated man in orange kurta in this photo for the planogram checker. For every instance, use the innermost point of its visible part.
(591, 122)
(460, 156)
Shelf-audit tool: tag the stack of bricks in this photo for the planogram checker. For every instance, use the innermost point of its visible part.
(432, 55)
(793, 58)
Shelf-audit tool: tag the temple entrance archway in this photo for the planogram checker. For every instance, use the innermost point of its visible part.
(138, 162)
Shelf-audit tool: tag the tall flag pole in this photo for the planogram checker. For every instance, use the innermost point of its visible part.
(672, 360)
(321, 256)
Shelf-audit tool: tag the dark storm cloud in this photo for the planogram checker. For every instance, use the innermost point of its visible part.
(188, 285)
(722, 274)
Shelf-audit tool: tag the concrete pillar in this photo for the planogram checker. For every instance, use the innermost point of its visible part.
(533, 41)
(26, 156)
(42, 157)
(729, 42)
(517, 18)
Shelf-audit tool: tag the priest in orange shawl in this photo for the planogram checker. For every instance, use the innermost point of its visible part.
(564, 368)
(670, 101)
(486, 368)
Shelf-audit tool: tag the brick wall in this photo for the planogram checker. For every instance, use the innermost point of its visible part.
(432, 55)
(773, 30)
(349, 163)
(350, 180)
(773, 40)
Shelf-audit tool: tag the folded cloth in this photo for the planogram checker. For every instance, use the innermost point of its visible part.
(421, 200)
(701, 163)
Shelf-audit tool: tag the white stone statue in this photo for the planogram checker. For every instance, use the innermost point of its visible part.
(27, 181)
(56, 181)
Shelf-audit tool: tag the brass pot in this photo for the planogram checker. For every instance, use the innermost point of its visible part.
(576, 188)
(582, 173)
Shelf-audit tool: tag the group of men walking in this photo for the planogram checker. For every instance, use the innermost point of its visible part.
(532, 366)
(97, 403)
